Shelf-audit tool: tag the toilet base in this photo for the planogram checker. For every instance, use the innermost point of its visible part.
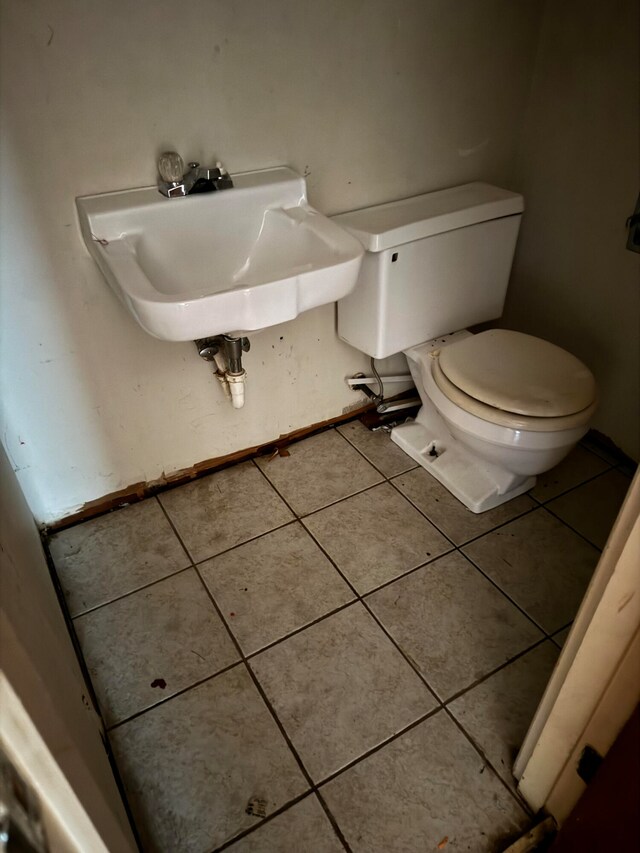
(479, 485)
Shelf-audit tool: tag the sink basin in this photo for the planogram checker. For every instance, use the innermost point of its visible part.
(224, 262)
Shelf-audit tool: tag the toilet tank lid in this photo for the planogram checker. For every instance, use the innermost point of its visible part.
(387, 225)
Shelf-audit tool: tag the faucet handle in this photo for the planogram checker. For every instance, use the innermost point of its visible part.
(171, 167)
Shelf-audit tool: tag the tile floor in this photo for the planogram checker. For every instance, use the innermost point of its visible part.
(326, 651)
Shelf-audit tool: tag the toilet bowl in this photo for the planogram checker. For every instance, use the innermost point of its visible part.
(498, 407)
(487, 455)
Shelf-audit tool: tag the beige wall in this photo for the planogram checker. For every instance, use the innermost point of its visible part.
(374, 100)
(574, 282)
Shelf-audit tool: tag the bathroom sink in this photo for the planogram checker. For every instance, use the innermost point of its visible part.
(223, 262)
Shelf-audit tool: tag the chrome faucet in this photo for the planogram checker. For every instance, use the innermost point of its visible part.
(174, 182)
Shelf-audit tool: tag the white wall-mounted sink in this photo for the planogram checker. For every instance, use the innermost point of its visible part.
(230, 261)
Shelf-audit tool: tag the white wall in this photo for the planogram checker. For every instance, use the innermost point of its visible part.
(375, 100)
(574, 282)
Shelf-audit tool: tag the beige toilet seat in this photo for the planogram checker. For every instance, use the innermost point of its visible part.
(519, 373)
(542, 397)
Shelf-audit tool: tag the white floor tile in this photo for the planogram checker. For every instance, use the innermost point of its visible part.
(427, 788)
(114, 554)
(340, 688)
(453, 623)
(153, 643)
(318, 471)
(375, 536)
(497, 713)
(224, 509)
(192, 765)
(274, 585)
(541, 564)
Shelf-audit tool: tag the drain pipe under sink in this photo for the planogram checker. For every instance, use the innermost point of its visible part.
(225, 352)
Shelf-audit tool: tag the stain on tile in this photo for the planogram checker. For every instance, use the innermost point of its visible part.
(257, 807)
(152, 644)
(191, 765)
(303, 827)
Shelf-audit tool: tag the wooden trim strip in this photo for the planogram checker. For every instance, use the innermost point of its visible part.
(140, 491)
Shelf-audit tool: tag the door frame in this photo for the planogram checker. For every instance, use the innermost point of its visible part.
(594, 687)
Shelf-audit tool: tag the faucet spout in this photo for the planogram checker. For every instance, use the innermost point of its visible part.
(175, 182)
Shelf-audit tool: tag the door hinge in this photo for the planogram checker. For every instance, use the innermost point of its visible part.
(588, 764)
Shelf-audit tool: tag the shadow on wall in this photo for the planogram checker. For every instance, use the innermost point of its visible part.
(574, 282)
(47, 368)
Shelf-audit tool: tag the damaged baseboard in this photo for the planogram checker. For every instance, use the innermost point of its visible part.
(139, 491)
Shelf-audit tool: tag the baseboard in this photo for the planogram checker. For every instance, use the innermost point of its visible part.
(140, 491)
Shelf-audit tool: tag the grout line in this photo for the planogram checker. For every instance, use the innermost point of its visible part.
(192, 563)
(299, 630)
(225, 550)
(473, 538)
(395, 736)
(455, 547)
(408, 572)
(493, 672)
(159, 503)
(265, 699)
(544, 501)
(365, 604)
(523, 805)
(623, 468)
(245, 659)
(599, 453)
(334, 823)
(554, 636)
(367, 459)
(283, 732)
(87, 683)
(572, 529)
(291, 521)
(250, 829)
(440, 704)
(506, 595)
(361, 598)
(300, 516)
(357, 596)
(131, 592)
(165, 699)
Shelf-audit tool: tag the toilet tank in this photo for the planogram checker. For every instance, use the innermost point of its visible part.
(435, 264)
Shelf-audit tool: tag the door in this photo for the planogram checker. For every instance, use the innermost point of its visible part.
(596, 683)
(49, 729)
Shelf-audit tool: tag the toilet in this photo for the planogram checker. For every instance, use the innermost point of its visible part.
(498, 407)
